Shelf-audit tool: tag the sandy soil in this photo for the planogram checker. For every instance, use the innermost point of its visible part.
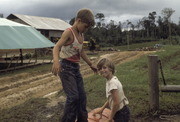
(17, 89)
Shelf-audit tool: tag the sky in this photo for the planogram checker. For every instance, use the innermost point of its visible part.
(117, 10)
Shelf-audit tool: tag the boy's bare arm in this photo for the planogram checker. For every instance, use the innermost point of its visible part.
(116, 101)
(64, 38)
(101, 109)
(86, 59)
(106, 104)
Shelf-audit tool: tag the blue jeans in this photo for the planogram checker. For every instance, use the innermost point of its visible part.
(72, 82)
(122, 115)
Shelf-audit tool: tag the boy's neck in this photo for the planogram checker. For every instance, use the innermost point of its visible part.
(74, 27)
(110, 77)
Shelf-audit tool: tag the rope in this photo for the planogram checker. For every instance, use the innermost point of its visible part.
(167, 117)
(162, 74)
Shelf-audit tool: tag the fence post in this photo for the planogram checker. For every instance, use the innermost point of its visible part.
(153, 82)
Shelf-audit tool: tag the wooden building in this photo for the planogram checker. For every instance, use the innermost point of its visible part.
(52, 28)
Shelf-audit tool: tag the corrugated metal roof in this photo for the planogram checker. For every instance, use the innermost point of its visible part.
(43, 22)
(5, 22)
(18, 36)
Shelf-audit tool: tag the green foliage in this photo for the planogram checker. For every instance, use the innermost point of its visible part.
(95, 91)
(146, 29)
(135, 46)
(175, 41)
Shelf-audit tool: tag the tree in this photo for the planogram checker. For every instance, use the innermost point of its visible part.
(167, 12)
(100, 17)
(152, 17)
(128, 27)
(160, 27)
(119, 33)
(139, 27)
(71, 22)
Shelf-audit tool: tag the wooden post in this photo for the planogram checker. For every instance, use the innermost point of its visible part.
(21, 56)
(153, 82)
(36, 55)
(6, 57)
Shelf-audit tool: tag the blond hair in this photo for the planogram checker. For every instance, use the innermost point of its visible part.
(108, 63)
(86, 15)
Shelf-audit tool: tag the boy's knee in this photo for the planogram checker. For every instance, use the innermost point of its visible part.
(74, 98)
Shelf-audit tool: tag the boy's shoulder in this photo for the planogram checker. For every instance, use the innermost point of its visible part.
(67, 33)
(115, 78)
(116, 81)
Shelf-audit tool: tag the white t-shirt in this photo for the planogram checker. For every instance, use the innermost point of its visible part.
(114, 83)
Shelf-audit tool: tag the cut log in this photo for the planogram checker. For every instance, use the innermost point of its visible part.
(170, 88)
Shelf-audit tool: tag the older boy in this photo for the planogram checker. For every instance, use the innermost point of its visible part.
(71, 49)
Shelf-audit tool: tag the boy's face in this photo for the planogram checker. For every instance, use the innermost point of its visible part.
(105, 72)
(82, 27)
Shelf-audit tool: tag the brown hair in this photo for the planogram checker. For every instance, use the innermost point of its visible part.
(86, 16)
(108, 63)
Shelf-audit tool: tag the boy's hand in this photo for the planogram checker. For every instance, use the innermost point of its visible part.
(56, 68)
(94, 68)
(98, 111)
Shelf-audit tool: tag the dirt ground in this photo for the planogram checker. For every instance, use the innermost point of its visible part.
(17, 89)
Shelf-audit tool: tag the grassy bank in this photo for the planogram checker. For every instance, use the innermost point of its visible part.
(134, 77)
(137, 45)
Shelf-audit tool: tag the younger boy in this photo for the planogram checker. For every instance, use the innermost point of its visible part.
(71, 49)
(114, 93)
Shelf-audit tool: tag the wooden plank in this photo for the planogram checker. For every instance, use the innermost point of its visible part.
(170, 88)
(27, 65)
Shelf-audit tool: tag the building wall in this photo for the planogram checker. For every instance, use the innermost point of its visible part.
(46, 33)
(53, 33)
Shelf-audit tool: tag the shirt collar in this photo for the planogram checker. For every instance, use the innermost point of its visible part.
(114, 77)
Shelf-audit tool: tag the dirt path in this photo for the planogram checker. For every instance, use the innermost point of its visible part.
(17, 89)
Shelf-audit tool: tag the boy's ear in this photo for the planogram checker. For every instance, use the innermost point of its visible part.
(78, 19)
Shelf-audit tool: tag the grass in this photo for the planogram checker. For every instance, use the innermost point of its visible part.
(34, 69)
(137, 46)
